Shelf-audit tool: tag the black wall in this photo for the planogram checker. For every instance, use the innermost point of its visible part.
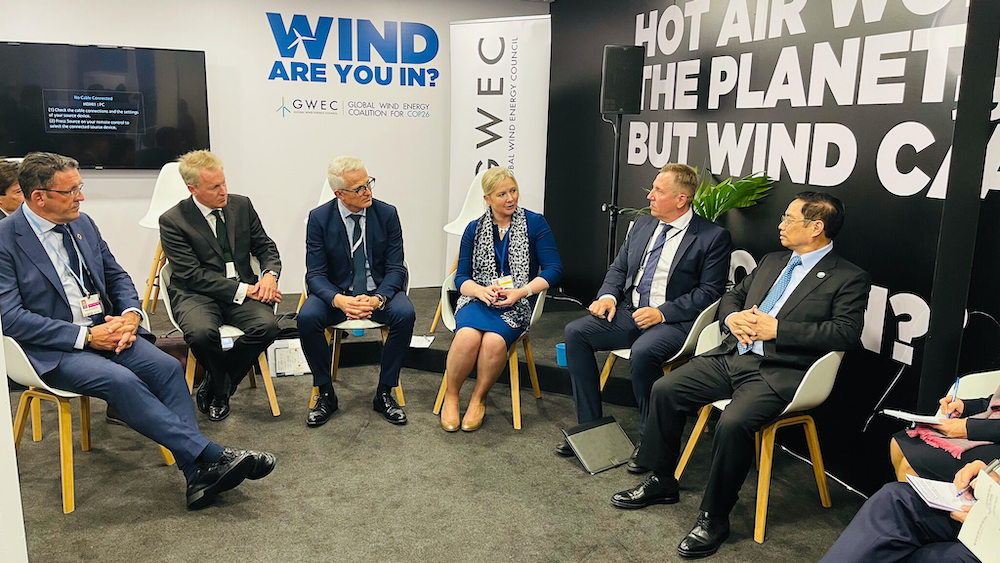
(892, 236)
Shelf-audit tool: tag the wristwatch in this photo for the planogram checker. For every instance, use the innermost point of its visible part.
(381, 302)
(90, 336)
(273, 273)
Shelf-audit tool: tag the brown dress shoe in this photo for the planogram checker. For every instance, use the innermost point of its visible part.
(473, 417)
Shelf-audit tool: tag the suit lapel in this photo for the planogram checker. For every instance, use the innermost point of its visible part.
(94, 264)
(372, 227)
(230, 227)
(200, 224)
(637, 251)
(29, 243)
(765, 276)
(810, 282)
(686, 241)
(338, 227)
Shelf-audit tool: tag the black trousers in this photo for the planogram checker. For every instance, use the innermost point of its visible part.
(895, 525)
(200, 318)
(701, 381)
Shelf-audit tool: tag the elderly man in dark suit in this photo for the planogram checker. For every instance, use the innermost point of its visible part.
(75, 313)
(794, 307)
(354, 270)
(672, 266)
(208, 240)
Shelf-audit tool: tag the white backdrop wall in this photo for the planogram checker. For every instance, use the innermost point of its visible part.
(277, 158)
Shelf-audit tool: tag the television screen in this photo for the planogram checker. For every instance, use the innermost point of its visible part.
(107, 107)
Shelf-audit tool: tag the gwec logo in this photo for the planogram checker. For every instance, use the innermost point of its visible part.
(403, 43)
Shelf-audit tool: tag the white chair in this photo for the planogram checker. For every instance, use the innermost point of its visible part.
(977, 385)
(325, 195)
(169, 189)
(677, 360)
(814, 388)
(448, 316)
(334, 334)
(225, 331)
(472, 209)
(19, 369)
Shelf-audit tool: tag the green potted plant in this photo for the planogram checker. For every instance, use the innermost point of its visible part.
(711, 200)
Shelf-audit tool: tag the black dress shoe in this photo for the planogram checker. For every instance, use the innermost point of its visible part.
(649, 492)
(216, 477)
(111, 416)
(633, 467)
(705, 538)
(263, 464)
(564, 449)
(386, 404)
(204, 396)
(326, 405)
(219, 409)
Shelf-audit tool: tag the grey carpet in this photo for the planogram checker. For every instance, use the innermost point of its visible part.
(359, 489)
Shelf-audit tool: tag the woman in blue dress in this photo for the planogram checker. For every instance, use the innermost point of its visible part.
(507, 257)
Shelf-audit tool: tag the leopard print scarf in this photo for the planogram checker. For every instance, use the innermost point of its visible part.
(484, 265)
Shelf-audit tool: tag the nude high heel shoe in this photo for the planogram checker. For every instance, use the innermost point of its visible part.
(474, 417)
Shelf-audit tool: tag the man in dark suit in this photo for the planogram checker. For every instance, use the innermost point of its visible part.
(354, 270)
(75, 313)
(10, 191)
(209, 239)
(793, 308)
(896, 525)
(671, 267)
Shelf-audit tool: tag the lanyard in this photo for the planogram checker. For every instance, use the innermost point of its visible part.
(505, 243)
(668, 239)
(361, 239)
(76, 277)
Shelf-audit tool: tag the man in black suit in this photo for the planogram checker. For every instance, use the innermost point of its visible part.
(793, 308)
(354, 270)
(10, 191)
(672, 266)
(208, 240)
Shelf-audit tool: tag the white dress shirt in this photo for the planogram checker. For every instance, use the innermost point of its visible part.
(206, 211)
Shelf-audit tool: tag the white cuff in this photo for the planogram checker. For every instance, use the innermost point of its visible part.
(81, 340)
(241, 293)
(609, 296)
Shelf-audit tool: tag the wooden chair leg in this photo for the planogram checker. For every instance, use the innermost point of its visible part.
(756, 450)
(252, 379)
(168, 458)
(302, 301)
(156, 284)
(385, 333)
(66, 454)
(515, 388)
(399, 395)
(812, 440)
(265, 374)
(192, 364)
(24, 409)
(699, 426)
(606, 372)
(764, 480)
(154, 273)
(36, 420)
(440, 397)
(529, 357)
(85, 423)
(337, 338)
(437, 318)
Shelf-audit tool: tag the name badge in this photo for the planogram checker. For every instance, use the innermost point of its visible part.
(91, 305)
(506, 282)
(231, 270)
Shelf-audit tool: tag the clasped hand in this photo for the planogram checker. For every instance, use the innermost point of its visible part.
(752, 325)
(117, 333)
(265, 290)
(357, 307)
(496, 296)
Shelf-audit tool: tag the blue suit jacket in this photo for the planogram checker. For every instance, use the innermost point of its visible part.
(33, 304)
(698, 273)
(329, 266)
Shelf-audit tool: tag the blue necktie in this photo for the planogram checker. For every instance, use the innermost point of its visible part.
(646, 281)
(777, 290)
(360, 271)
(74, 263)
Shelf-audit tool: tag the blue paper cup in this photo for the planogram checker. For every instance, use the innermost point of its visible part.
(358, 332)
(561, 354)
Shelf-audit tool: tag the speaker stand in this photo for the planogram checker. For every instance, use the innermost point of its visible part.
(612, 208)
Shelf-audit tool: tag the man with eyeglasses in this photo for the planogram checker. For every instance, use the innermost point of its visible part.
(10, 191)
(796, 306)
(75, 313)
(354, 270)
(209, 239)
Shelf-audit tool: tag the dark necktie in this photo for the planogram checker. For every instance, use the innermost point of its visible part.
(221, 236)
(74, 263)
(646, 281)
(360, 271)
(777, 290)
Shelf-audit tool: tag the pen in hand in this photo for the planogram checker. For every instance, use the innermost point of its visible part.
(989, 469)
(954, 395)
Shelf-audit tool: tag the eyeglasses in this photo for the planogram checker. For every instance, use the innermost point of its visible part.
(785, 219)
(370, 185)
(73, 192)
